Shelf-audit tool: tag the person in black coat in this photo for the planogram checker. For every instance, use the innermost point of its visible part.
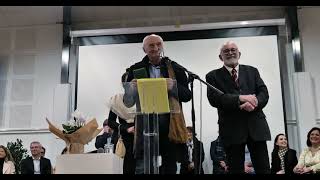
(283, 159)
(218, 157)
(192, 155)
(36, 164)
(155, 66)
(102, 139)
(241, 119)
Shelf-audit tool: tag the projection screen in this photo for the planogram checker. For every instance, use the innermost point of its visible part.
(101, 66)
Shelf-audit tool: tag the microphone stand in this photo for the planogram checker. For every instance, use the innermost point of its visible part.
(191, 77)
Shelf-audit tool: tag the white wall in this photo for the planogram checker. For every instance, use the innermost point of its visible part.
(31, 56)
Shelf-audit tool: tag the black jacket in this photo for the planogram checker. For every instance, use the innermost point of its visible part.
(197, 157)
(236, 125)
(290, 161)
(28, 168)
(217, 154)
(102, 139)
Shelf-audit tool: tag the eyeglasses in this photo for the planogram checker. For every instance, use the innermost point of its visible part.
(232, 50)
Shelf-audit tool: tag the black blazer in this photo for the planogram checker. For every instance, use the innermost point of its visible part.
(216, 158)
(28, 168)
(197, 157)
(236, 125)
(290, 161)
(102, 139)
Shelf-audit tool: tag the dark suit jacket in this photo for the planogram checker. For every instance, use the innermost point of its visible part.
(236, 125)
(290, 161)
(197, 158)
(102, 139)
(217, 155)
(27, 166)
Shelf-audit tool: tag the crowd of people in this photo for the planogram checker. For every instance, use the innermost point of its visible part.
(240, 101)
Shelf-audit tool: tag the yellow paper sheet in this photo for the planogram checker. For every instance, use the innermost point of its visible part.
(153, 95)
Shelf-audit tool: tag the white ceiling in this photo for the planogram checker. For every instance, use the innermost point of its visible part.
(39, 15)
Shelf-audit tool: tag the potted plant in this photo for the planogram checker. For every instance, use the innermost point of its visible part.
(18, 153)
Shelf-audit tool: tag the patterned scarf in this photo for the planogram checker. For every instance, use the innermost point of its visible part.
(281, 154)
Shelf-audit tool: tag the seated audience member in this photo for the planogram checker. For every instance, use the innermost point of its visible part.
(283, 159)
(6, 161)
(102, 139)
(248, 166)
(192, 153)
(43, 151)
(309, 160)
(36, 164)
(218, 157)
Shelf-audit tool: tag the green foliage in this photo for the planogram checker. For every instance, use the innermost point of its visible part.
(18, 153)
(69, 129)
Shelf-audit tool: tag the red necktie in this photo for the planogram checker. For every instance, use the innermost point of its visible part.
(234, 76)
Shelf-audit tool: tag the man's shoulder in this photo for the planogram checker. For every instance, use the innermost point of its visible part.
(45, 159)
(213, 72)
(249, 67)
(139, 64)
(27, 158)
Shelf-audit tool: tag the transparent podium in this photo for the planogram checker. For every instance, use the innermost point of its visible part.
(152, 97)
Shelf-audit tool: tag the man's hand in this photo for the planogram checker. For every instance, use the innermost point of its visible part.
(252, 99)
(247, 168)
(191, 166)
(130, 129)
(224, 165)
(247, 107)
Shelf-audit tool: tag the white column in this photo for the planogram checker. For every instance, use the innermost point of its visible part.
(305, 105)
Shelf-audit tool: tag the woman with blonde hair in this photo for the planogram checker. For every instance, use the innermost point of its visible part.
(309, 160)
(6, 161)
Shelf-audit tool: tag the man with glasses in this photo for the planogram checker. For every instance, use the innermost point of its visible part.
(241, 119)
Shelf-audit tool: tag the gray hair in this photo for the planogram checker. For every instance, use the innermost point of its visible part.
(35, 142)
(227, 43)
(151, 35)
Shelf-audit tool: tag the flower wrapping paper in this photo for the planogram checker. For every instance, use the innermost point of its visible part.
(75, 142)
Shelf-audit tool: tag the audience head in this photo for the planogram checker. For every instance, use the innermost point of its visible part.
(280, 142)
(5, 153)
(153, 47)
(313, 137)
(35, 148)
(106, 127)
(43, 151)
(190, 129)
(230, 54)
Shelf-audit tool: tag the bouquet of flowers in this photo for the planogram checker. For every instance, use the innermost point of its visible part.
(76, 122)
(76, 132)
